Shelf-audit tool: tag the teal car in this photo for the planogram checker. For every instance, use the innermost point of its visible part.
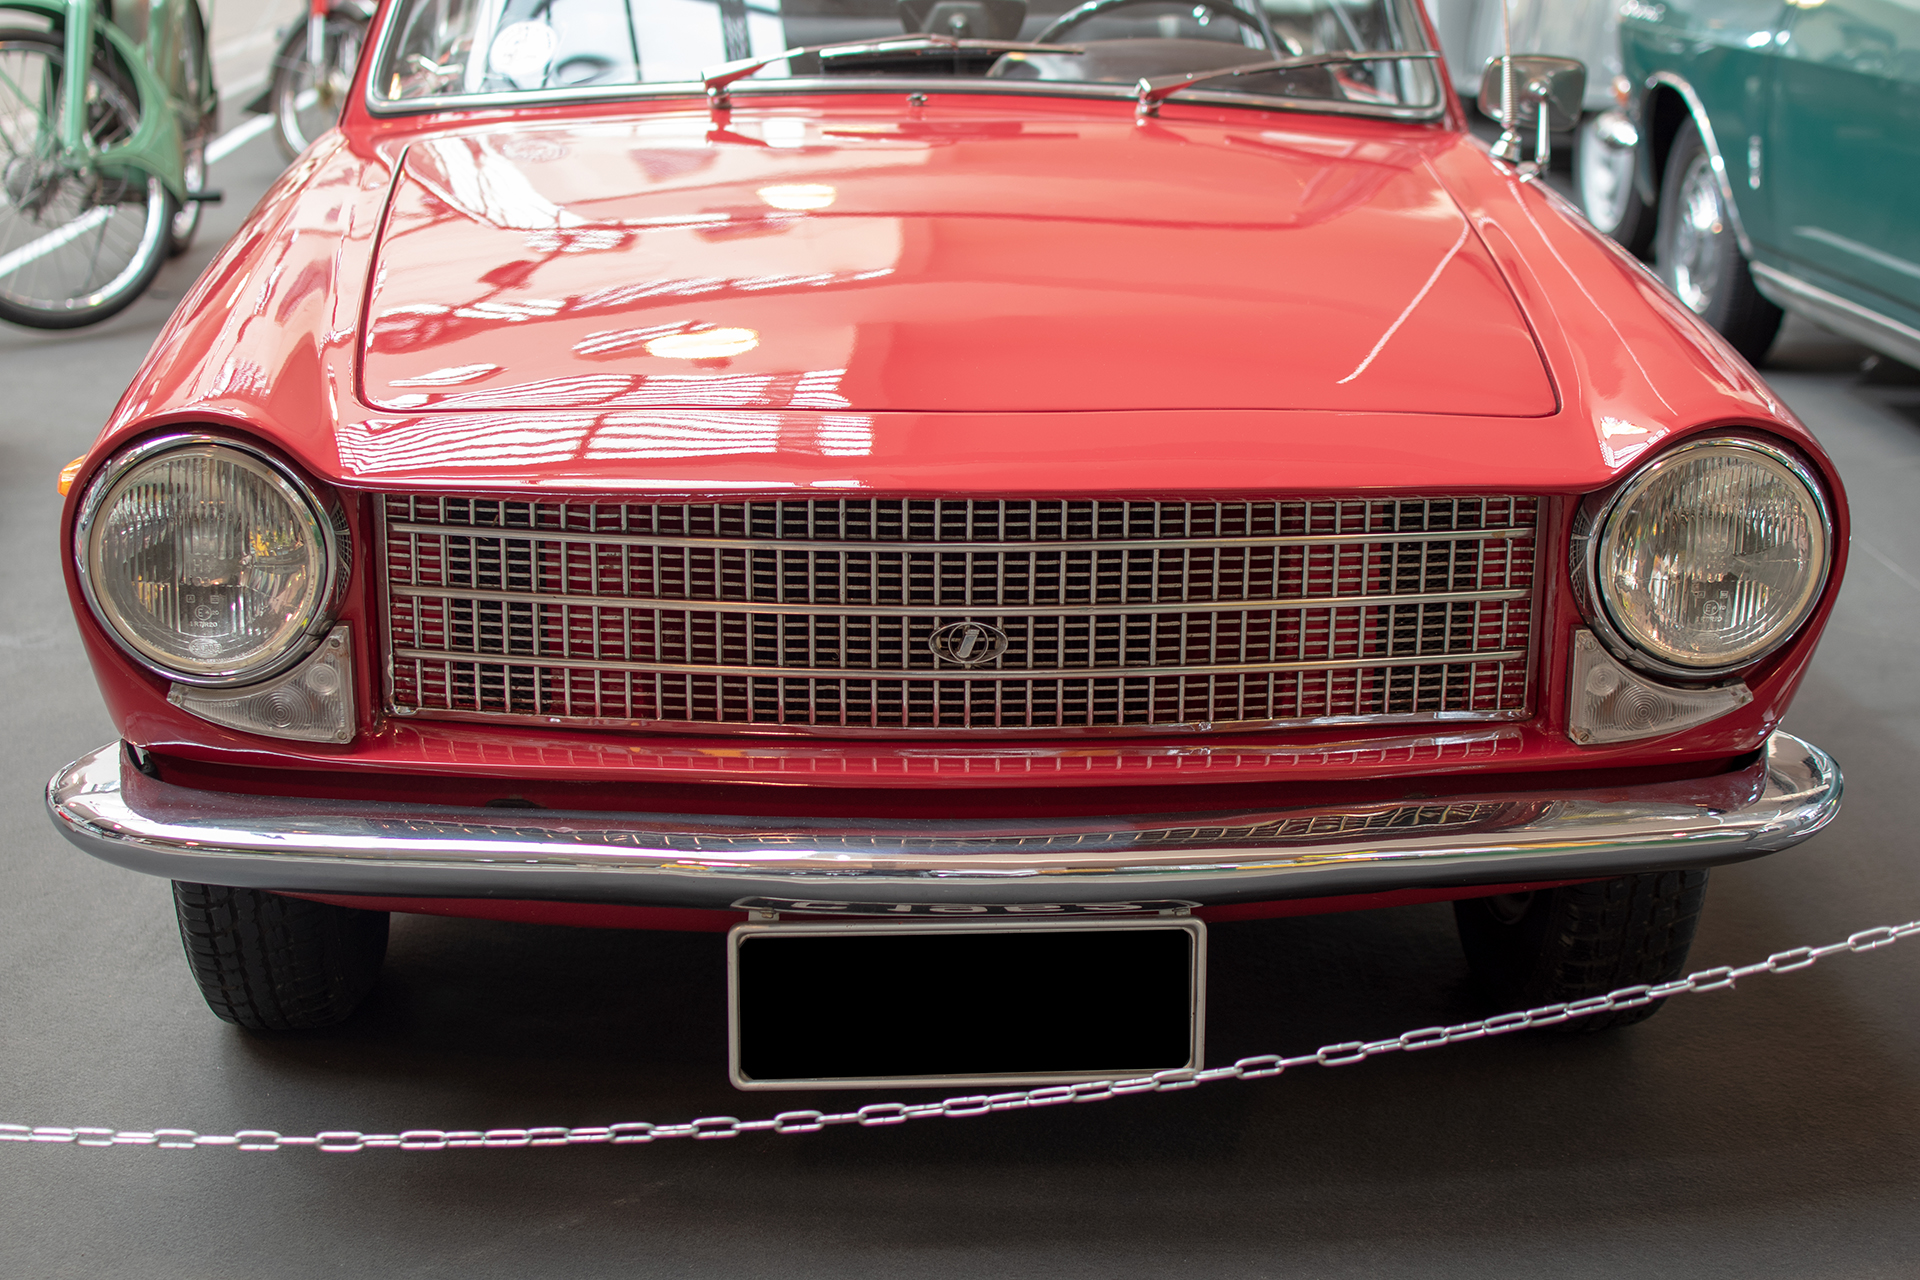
(1778, 152)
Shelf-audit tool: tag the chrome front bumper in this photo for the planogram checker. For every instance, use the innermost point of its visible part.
(113, 811)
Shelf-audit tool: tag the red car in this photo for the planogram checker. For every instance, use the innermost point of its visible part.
(958, 506)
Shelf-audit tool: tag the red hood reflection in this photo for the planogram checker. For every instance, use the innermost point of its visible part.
(783, 264)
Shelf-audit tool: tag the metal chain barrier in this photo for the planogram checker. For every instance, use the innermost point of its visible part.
(875, 1114)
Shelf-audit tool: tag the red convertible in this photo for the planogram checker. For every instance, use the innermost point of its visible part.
(955, 499)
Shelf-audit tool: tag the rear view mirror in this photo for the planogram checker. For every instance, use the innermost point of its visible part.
(1536, 89)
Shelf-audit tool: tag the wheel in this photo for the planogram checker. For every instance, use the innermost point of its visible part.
(1603, 172)
(192, 73)
(186, 218)
(1580, 940)
(1698, 255)
(303, 105)
(76, 245)
(271, 963)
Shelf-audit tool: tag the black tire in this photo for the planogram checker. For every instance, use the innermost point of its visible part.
(1603, 179)
(271, 963)
(1560, 945)
(1697, 253)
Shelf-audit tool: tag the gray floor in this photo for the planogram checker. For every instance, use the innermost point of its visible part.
(1768, 1132)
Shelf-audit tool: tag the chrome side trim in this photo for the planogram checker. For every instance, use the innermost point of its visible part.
(1842, 315)
(112, 811)
(1698, 111)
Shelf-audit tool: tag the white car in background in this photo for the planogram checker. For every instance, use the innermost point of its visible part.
(1470, 33)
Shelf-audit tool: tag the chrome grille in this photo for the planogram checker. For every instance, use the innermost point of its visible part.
(818, 614)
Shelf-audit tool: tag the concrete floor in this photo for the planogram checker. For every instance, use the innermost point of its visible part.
(1768, 1132)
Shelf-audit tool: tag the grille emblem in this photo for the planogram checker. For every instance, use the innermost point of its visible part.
(967, 643)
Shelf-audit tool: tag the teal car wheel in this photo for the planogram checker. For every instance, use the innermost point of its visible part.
(1697, 250)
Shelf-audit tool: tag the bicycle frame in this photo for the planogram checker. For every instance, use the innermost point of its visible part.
(156, 145)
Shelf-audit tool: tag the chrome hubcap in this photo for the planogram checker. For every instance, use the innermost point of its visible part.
(1699, 224)
(1606, 177)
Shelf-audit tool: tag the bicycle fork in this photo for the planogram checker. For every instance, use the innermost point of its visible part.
(72, 133)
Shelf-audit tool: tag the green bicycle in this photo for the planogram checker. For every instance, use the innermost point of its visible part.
(102, 173)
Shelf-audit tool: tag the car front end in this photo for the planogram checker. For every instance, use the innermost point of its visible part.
(922, 509)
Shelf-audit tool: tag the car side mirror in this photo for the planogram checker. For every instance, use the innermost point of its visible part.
(1535, 89)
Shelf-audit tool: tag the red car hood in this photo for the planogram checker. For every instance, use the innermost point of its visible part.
(791, 261)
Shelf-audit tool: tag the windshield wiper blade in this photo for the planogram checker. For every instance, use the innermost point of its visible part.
(716, 79)
(1150, 93)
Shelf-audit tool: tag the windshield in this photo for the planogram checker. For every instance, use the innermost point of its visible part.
(437, 51)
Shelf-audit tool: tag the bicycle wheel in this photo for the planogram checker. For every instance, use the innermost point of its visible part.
(305, 105)
(76, 245)
(193, 54)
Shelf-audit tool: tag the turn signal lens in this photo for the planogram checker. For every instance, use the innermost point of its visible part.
(206, 560)
(1612, 704)
(70, 473)
(311, 703)
(1713, 555)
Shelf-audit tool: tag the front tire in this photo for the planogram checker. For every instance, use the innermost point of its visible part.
(1555, 946)
(1698, 254)
(270, 963)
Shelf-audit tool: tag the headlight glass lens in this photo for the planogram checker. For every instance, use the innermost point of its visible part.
(1713, 556)
(207, 562)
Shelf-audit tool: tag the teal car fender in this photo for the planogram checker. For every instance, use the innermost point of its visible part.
(1811, 113)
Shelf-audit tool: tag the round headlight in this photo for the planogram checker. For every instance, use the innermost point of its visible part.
(1712, 556)
(208, 561)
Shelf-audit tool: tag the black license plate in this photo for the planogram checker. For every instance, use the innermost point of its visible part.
(844, 1005)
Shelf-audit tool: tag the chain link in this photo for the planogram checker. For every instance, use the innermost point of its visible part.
(878, 1114)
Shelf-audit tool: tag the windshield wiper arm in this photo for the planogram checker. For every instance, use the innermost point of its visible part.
(716, 79)
(1150, 93)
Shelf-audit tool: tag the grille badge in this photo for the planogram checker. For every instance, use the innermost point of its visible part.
(970, 644)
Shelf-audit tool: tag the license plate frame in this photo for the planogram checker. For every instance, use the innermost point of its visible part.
(1103, 941)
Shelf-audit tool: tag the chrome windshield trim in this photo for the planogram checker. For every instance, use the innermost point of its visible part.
(109, 809)
(696, 91)
(695, 95)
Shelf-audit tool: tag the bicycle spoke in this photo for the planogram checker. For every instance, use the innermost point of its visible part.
(74, 242)
(53, 240)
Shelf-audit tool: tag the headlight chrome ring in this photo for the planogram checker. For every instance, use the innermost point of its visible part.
(1681, 565)
(208, 560)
